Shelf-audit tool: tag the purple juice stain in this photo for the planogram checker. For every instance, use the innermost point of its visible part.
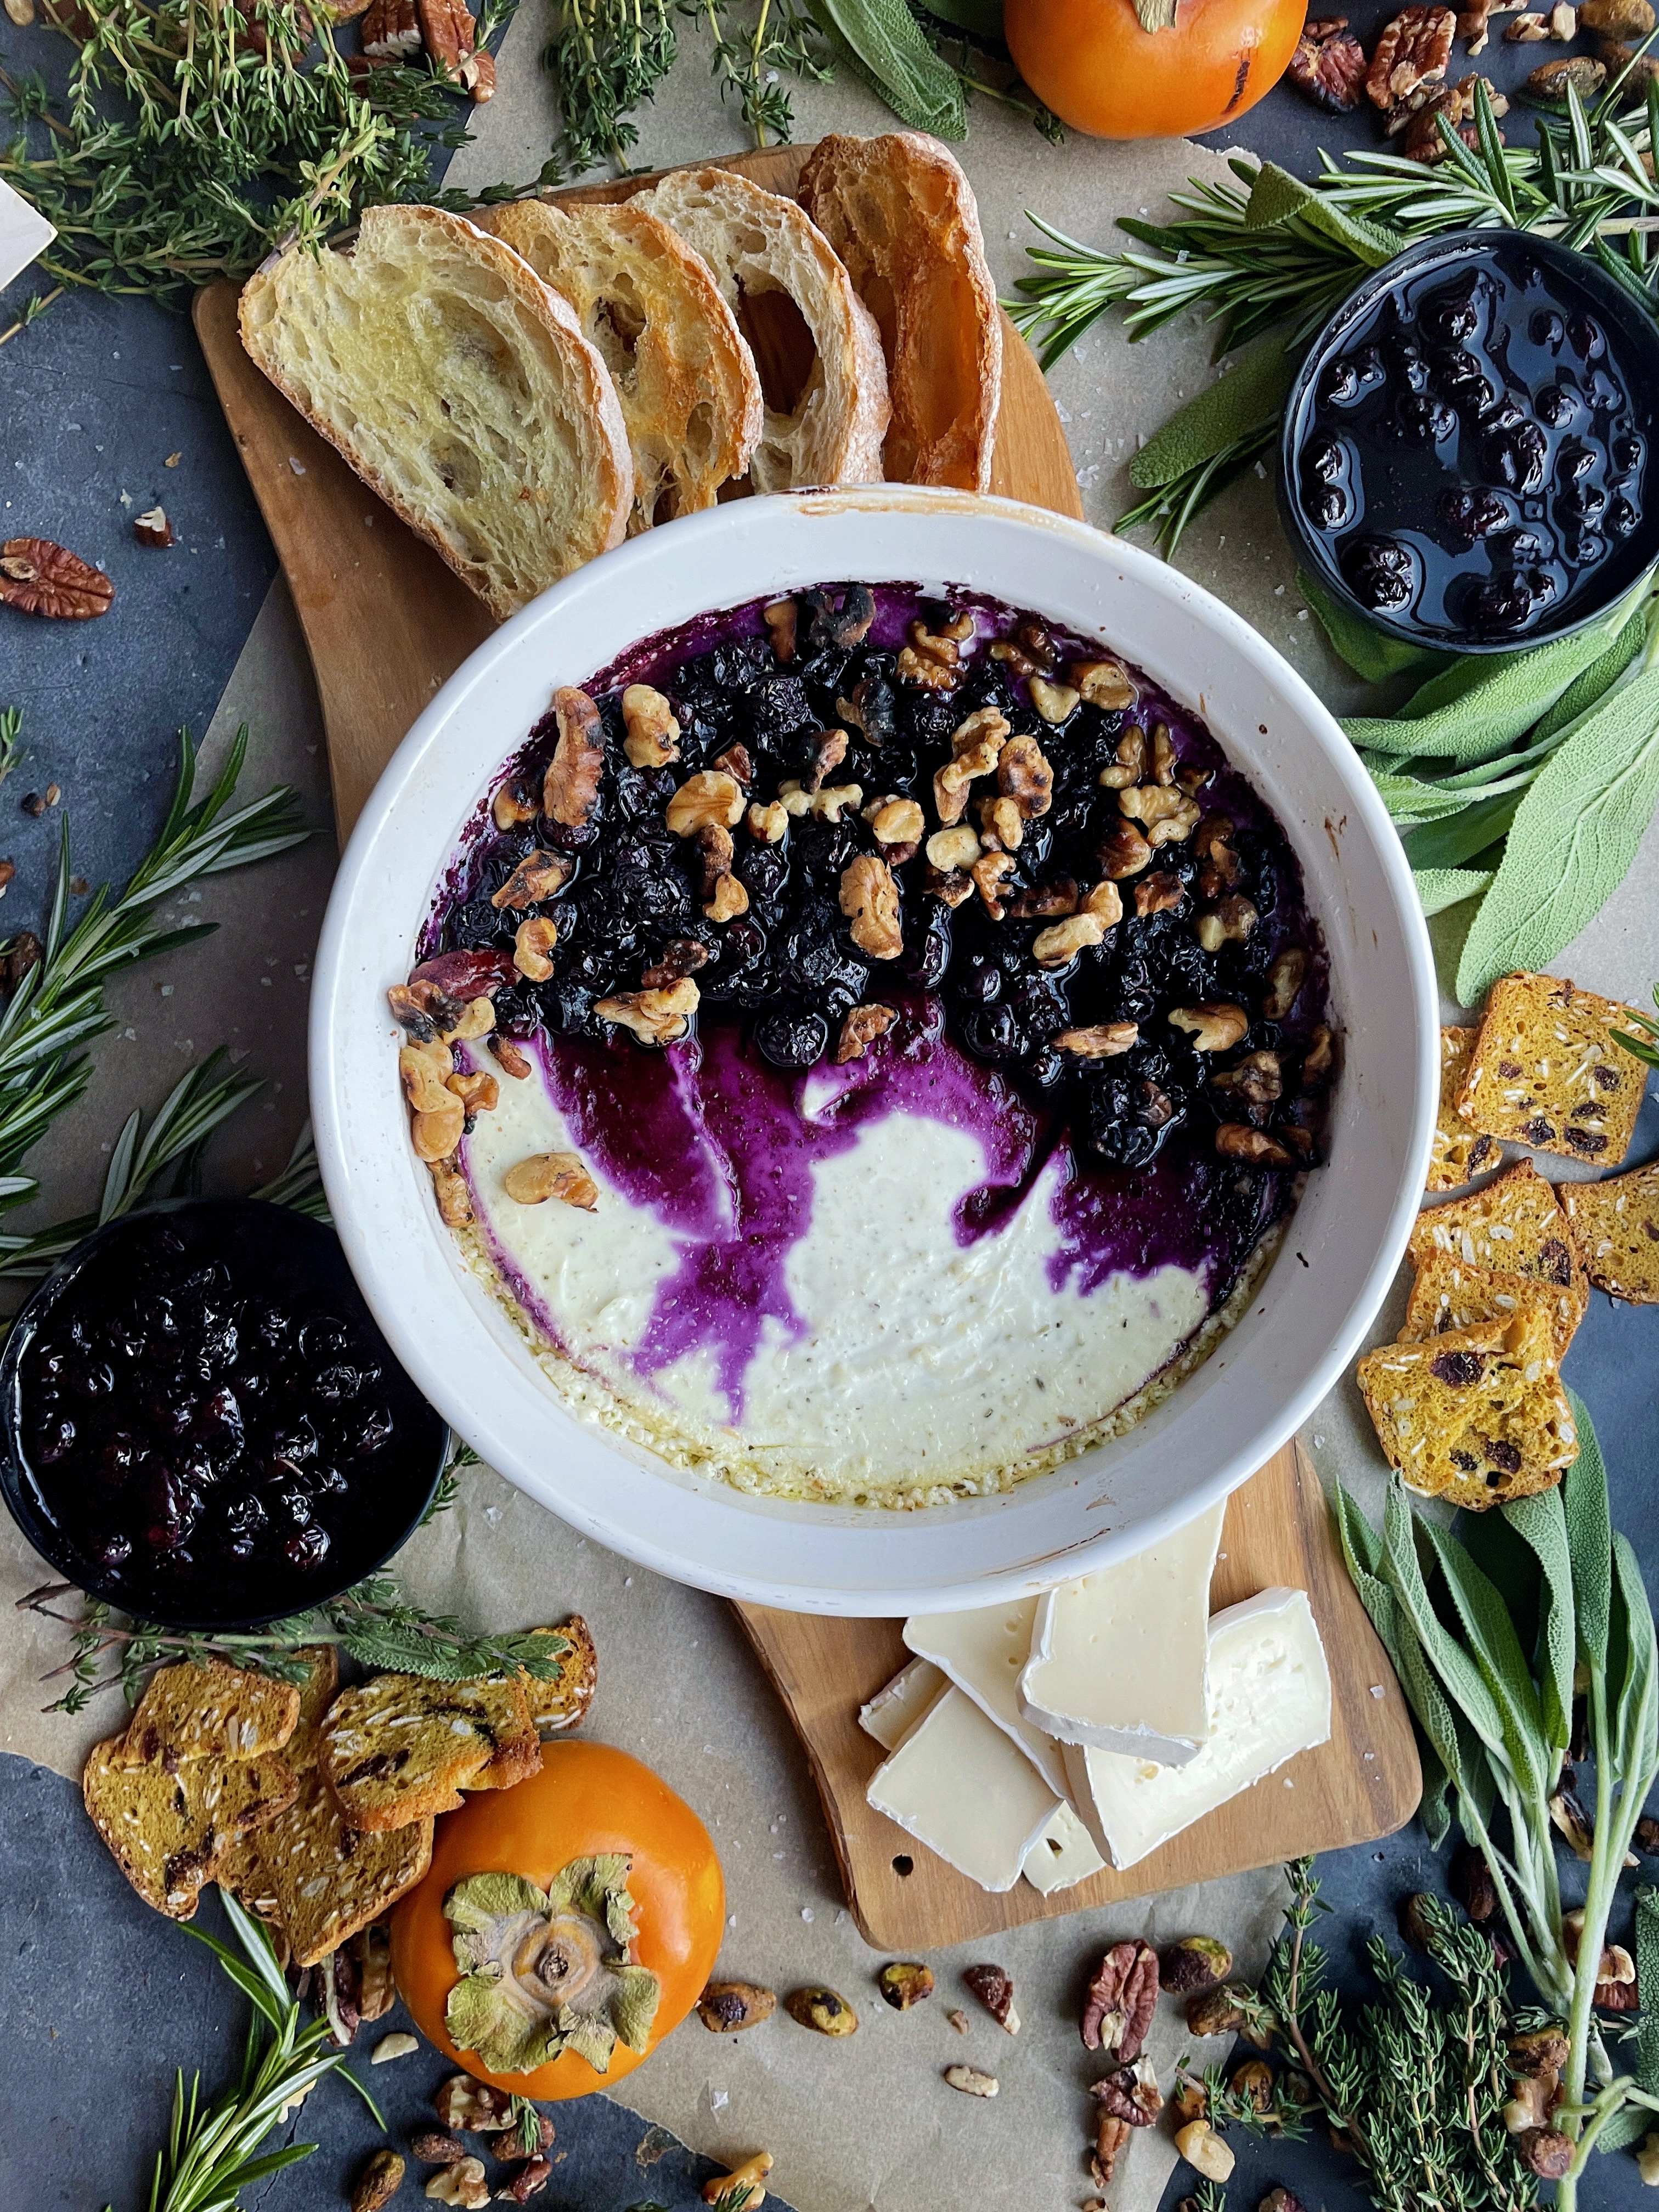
(721, 1146)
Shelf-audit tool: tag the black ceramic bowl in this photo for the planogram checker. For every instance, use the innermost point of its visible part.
(200, 1424)
(1470, 453)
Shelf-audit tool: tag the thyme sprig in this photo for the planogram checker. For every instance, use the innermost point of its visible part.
(373, 1623)
(212, 2152)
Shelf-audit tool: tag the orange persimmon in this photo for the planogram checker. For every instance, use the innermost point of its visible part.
(1101, 70)
(546, 1882)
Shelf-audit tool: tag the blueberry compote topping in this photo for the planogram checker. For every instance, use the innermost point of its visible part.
(210, 1418)
(1475, 449)
(1107, 957)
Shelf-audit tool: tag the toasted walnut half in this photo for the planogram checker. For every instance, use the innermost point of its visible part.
(860, 1029)
(1055, 703)
(532, 941)
(1285, 981)
(1161, 893)
(1001, 824)
(1122, 852)
(932, 659)
(1168, 815)
(532, 1181)
(537, 876)
(570, 789)
(449, 1188)
(729, 899)
(990, 873)
(1055, 947)
(436, 1130)
(1105, 684)
(655, 1017)
(898, 822)
(1230, 922)
(424, 1071)
(1104, 1041)
(1044, 902)
(1212, 1028)
(1024, 775)
(478, 1092)
(975, 748)
(704, 799)
(953, 848)
(653, 731)
(513, 807)
(870, 900)
(781, 622)
(1238, 1140)
(768, 823)
(1129, 764)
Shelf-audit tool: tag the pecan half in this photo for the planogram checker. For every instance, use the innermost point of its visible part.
(152, 527)
(1131, 2094)
(1412, 51)
(570, 789)
(388, 31)
(39, 578)
(1328, 65)
(1122, 1998)
(448, 33)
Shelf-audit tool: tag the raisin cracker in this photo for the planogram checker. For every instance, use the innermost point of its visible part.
(1616, 1224)
(1544, 1071)
(1459, 1152)
(1514, 1226)
(1476, 1416)
(1447, 1294)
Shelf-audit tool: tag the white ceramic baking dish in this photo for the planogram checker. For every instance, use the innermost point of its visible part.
(1314, 1305)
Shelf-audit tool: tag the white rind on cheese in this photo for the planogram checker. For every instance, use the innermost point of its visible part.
(1270, 1697)
(983, 1653)
(1063, 1854)
(1119, 1659)
(891, 1714)
(957, 1784)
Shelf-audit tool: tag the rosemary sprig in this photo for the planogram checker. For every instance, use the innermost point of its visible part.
(525, 2124)
(57, 1004)
(300, 1185)
(1641, 1038)
(212, 2152)
(371, 1622)
(12, 755)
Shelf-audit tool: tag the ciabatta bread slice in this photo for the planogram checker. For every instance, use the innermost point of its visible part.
(900, 215)
(755, 243)
(689, 390)
(457, 386)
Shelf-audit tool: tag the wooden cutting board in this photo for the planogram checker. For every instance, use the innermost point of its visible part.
(387, 623)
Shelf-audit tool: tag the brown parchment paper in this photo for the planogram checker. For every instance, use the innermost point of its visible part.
(866, 2121)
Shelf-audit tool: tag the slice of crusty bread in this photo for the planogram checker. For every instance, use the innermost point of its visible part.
(401, 1749)
(457, 386)
(900, 215)
(170, 1822)
(689, 390)
(212, 1710)
(755, 243)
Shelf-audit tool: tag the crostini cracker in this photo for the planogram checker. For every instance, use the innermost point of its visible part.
(1476, 1416)
(401, 1749)
(1459, 1152)
(562, 1702)
(210, 1712)
(170, 1822)
(1616, 1224)
(1447, 1294)
(1514, 1226)
(1544, 1071)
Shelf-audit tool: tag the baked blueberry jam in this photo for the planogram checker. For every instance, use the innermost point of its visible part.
(1472, 447)
(798, 868)
(208, 1421)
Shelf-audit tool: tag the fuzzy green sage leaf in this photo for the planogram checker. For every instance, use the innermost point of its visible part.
(1438, 889)
(884, 40)
(1251, 394)
(1369, 653)
(1277, 197)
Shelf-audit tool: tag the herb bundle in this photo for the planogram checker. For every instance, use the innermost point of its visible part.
(1493, 1634)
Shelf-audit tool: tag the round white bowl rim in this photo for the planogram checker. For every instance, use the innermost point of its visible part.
(470, 1411)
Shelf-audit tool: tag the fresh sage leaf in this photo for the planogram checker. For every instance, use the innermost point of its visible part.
(887, 44)
(1590, 1541)
(1466, 1769)
(1480, 706)
(1448, 841)
(1596, 681)
(1636, 1714)
(1409, 799)
(1574, 836)
(1277, 197)
(1369, 653)
(1541, 1523)
(1251, 395)
(1363, 1551)
(1440, 888)
(1643, 2047)
(1490, 1637)
(1457, 1671)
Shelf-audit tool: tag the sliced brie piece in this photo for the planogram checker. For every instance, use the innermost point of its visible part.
(1063, 1854)
(894, 1711)
(957, 1784)
(1270, 1697)
(1120, 1659)
(983, 1652)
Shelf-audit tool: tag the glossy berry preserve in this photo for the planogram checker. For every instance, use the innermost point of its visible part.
(1470, 443)
(205, 1426)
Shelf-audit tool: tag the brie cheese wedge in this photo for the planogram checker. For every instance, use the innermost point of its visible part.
(1270, 1697)
(1063, 1854)
(1120, 1659)
(957, 1784)
(894, 1711)
(982, 1652)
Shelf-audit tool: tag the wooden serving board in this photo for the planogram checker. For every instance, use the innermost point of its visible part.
(387, 623)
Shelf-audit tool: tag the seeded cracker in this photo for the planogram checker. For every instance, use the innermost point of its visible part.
(169, 1829)
(563, 1703)
(401, 1749)
(210, 1711)
(1544, 1071)
(1616, 1224)
(1476, 1416)
(1459, 1152)
(1514, 1226)
(1449, 1295)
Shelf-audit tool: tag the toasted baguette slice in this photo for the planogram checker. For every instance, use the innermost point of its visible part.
(170, 1822)
(756, 243)
(900, 215)
(401, 1749)
(689, 390)
(212, 1710)
(319, 1879)
(457, 386)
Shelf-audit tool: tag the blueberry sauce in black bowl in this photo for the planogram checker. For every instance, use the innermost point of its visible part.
(1469, 447)
(202, 1424)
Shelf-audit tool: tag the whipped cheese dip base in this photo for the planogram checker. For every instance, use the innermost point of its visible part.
(915, 1366)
